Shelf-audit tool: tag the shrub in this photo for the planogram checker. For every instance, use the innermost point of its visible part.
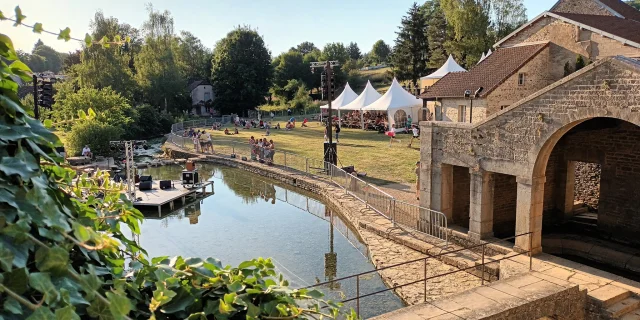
(94, 133)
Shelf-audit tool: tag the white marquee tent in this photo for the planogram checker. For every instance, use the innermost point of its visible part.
(398, 103)
(450, 66)
(368, 96)
(343, 99)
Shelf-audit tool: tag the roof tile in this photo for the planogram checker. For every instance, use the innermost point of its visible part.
(490, 73)
(624, 28)
(622, 8)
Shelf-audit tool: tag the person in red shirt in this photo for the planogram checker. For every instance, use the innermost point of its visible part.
(304, 122)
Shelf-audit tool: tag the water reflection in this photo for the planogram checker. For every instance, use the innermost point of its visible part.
(250, 216)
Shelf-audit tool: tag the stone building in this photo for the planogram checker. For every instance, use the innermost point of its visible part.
(512, 171)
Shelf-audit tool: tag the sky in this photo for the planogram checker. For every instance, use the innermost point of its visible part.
(282, 23)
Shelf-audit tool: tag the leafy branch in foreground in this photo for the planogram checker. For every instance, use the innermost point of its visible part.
(65, 254)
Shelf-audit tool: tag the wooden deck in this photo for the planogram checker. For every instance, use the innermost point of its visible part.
(158, 197)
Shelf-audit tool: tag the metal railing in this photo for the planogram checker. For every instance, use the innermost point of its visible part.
(400, 213)
(478, 267)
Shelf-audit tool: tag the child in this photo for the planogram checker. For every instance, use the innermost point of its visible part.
(416, 135)
(236, 131)
(392, 135)
(267, 133)
(226, 131)
(304, 122)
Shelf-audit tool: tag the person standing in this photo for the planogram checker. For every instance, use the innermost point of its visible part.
(416, 135)
(337, 133)
(409, 121)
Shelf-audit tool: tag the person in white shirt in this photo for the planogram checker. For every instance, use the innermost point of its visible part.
(416, 135)
(86, 152)
(206, 144)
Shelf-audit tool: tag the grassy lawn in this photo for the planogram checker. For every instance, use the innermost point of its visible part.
(368, 151)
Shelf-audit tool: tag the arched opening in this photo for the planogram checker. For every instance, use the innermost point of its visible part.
(590, 199)
(400, 118)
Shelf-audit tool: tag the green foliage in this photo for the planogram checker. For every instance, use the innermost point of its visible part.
(567, 69)
(193, 57)
(94, 133)
(52, 59)
(470, 22)
(291, 66)
(380, 52)
(64, 253)
(437, 34)
(334, 51)
(579, 63)
(305, 47)
(634, 3)
(301, 99)
(353, 51)
(241, 71)
(411, 50)
(508, 15)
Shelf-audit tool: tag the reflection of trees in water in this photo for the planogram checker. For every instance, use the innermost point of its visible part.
(246, 185)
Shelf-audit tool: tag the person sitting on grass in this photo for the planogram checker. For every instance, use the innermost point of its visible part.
(236, 131)
(304, 122)
(226, 131)
(278, 126)
(289, 126)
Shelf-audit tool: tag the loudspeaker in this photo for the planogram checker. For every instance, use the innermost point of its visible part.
(244, 158)
(145, 178)
(145, 185)
(165, 184)
(190, 177)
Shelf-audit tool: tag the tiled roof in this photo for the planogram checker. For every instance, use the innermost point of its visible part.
(624, 28)
(622, 8)
(489, 74)
(197, 83)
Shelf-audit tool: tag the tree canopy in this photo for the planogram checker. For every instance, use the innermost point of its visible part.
(241, 71)
(354, 51)
(411, 50)
(380, 52)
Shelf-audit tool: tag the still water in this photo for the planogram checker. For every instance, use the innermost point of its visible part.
(249, 216)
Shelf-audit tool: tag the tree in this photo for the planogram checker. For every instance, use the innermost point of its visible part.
(508, 15)
(380, 52)
(353, 51)
(579, 63)
(52, 59)
(101, 68)
(241, 71)
(73, 58)
(437, 35)
(193, 57)
(288, 66)
(411, 50)
(306, 47)
(313, 56)
(334, 51)
(469, 21)
(634, 3)
(157, 65)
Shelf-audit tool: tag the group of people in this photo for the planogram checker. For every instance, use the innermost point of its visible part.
(201, 140)
(262, 149)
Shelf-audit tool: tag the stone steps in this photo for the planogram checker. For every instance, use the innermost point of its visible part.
(624, 307)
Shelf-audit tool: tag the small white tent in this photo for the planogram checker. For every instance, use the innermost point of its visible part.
(450, 66)
(399, 105)
(368, 96)
(343, 99)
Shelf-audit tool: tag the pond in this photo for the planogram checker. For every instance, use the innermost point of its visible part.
(250, 216)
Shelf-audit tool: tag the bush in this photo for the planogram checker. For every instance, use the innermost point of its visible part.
(94, 133)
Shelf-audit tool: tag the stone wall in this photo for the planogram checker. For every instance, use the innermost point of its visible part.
(504, 205)
(450, 108)
(570, 41)
(538, 74)
(587, 187)
(581, 7)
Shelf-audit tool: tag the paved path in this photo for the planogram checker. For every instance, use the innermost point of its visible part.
(511, 298)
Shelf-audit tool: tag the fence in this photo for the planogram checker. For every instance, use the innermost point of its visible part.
(425, 278)
(403, 214)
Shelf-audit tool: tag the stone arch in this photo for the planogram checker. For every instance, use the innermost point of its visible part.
(531, 185)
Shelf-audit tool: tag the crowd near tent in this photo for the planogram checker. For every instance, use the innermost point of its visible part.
(343, 99)
(398, 104)
(368, 96)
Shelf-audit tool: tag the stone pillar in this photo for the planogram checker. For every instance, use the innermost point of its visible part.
(481, 204)
(569, 178)
(529, 214)
(445, 196)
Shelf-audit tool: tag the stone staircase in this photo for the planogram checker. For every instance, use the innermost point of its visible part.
(616, 303)
(583, 220)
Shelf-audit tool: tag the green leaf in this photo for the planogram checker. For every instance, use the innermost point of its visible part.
(225, 308)
(17, 280)
(157, 260)
(315, 294)
(6, 258)
(99, 309)
(41, 282)
(65, 34)
(12, 306)
(236, 286)
(119, 304)
(82, 115)
(48, 123)
(54, 260)
(253, 312)
(88, 40)
(19, 16)
(247, 264)
(197, 316)
(66, 313)
(127, 39)
(21, 69)
(104, 42)
(37, 27)
(6, 48)
(42, 313)
(2, 17)
(91, 113)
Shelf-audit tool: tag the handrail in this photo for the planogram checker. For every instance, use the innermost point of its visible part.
(425, 278)
(400, 213)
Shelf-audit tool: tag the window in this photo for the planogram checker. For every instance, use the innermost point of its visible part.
(503, 107)
(521, 79)
(462, 113)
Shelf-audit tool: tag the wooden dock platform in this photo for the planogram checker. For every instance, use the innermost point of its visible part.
(158, 197)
